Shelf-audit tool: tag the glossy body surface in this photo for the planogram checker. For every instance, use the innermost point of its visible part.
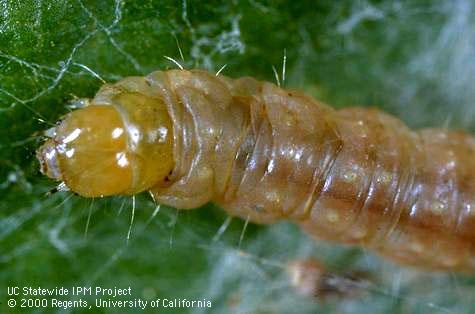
(354, 176)
(111, 146)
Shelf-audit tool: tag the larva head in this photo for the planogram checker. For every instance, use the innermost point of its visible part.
(106, 149)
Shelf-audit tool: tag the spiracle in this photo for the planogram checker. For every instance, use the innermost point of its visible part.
(354, 176)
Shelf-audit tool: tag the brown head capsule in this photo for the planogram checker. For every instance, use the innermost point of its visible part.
(120, 143)
(354, 176)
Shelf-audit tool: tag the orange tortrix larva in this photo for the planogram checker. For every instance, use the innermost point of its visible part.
(354, 176)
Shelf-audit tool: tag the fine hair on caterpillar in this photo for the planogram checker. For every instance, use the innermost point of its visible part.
(354, 176)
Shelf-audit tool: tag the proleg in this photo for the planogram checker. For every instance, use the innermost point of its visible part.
(354, 176)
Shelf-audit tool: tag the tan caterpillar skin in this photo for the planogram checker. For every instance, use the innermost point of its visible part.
(353, 176)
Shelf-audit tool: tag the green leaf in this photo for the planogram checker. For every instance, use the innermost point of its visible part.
(411, 58)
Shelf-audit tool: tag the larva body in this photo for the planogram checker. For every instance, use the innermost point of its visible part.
(354, 176)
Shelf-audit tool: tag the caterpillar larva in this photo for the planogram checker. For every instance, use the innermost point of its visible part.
(355, 176)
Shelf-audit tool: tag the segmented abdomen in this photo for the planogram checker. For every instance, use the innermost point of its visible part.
(355, 176)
